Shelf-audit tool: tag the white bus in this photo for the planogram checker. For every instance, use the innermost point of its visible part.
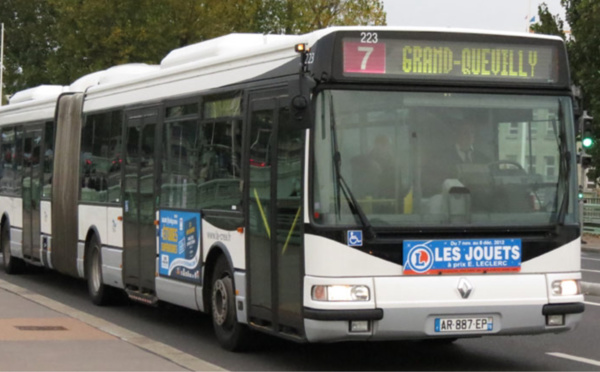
(348, 184)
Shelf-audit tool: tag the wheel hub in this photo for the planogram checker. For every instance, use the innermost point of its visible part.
(219, 302)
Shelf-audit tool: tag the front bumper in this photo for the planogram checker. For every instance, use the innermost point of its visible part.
(406, 307)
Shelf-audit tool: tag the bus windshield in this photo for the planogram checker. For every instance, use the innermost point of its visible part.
(405, 159)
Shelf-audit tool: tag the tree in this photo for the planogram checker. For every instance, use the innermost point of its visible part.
(549, 24)
(95, 35)
(28, 43)
(302, 16)
(584, 56)
(58, 41)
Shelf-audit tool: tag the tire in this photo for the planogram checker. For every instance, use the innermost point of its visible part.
(231, 335)
(100, 293)
(12, 265)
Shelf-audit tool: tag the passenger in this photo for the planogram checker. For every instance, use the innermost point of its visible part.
(444, 163)
(464, 146)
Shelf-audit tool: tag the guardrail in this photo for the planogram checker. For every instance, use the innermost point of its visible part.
(591, 215)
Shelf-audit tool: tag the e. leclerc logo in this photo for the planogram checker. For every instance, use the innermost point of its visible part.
(420, 259)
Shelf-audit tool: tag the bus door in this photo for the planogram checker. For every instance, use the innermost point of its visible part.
(139, 175)
(275, 218)
(32, 144)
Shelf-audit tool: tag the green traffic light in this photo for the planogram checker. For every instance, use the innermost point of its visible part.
(587, 142)
(580, 195)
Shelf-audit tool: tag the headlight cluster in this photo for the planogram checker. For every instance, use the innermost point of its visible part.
(568, 287)
(340, 293)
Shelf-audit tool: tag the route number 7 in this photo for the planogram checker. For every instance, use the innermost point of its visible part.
(368, 51)
(364, 58)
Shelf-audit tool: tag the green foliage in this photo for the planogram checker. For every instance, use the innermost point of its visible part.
(302, 16)
(27, 42)
(58, 41)
(584, 56)
(549, 24)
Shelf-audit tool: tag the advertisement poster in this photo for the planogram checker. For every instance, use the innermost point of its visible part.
(433, 257)
(179, 252)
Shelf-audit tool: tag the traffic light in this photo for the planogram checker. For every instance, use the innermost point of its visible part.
(587, 136)
(584, 159)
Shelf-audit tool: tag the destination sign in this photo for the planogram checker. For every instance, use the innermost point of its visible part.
(454, 60)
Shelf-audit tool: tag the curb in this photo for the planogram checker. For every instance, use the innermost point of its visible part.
(590, 249)
(590, 288)
(167, 352)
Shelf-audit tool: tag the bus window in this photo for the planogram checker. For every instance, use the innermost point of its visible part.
(8, 171)
(100, 157)
(407, 155)
(182, 141)
(48, 159)
(220, 165)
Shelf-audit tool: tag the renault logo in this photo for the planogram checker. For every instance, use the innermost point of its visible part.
(464, 287)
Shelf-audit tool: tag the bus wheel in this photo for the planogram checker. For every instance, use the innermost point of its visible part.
(12, 265)
(99, 292)
(232, 335)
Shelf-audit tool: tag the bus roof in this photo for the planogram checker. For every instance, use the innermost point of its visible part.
(251, 54)
(31, 104)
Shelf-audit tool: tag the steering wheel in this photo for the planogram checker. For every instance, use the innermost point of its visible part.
(495, 167)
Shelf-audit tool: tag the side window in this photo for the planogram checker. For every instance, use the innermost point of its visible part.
(48, 159)
(260, 139)
(201, 160)
(8, 169)
(18, 160)
(181, 143)
(290, 153)
(220, 158)
(100, 156)
(115, 148)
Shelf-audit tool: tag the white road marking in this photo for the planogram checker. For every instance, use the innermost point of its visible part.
(591, 271)
(590, 259)
(576, 358)
(591, 303)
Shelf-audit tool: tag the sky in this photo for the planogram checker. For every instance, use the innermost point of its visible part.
(498, 15)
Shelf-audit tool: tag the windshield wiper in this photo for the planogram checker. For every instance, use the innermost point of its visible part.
(565, 167)
(341, 182)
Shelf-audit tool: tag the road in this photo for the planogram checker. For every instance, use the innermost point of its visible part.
(191, 332)
(590, 267)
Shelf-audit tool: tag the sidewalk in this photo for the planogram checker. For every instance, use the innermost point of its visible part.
(40, 334)
(592, 243)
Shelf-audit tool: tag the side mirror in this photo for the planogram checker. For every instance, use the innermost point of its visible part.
(299, 92)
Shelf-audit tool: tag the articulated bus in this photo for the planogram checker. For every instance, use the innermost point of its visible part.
(354, 183)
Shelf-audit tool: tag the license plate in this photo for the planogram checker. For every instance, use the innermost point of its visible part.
(471, 324)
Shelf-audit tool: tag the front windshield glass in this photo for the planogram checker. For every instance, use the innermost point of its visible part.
(437, 159)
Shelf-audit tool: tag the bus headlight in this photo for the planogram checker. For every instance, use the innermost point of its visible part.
(340, 293)
(568, 287)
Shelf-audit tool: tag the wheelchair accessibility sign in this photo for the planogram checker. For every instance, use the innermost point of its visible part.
(355, 238)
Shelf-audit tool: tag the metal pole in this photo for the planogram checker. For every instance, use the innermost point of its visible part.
(582, 177)
(1, 60)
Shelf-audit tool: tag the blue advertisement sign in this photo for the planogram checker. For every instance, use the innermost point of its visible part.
(179, 239)
(430, 257)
